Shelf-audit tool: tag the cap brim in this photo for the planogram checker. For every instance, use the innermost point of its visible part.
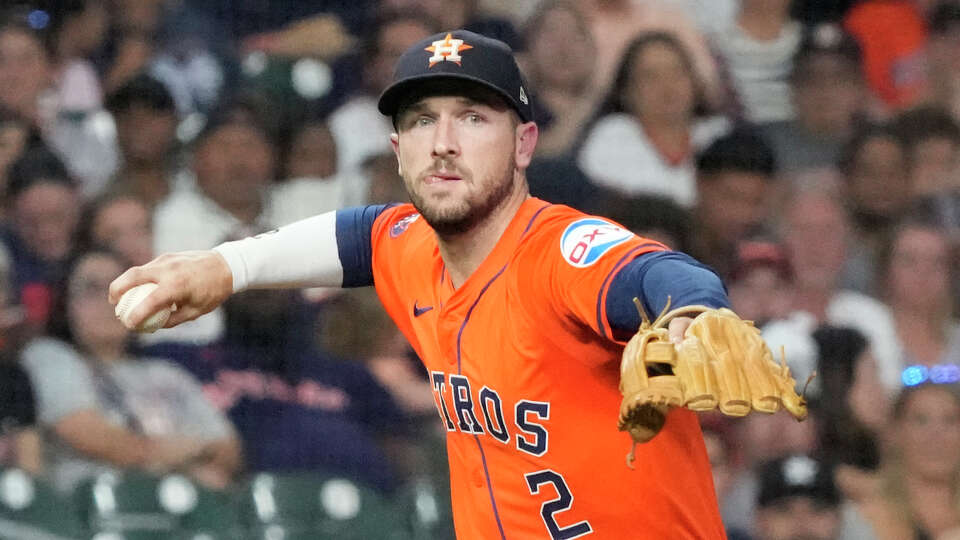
(391, 97)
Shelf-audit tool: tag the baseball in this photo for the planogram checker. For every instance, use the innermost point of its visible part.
(131, 299)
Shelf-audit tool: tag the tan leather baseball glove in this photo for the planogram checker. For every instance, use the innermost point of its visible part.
(722, 363)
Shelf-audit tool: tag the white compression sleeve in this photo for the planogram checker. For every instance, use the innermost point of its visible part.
(302, 254)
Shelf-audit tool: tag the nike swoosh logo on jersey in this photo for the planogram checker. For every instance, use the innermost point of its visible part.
(418, 311)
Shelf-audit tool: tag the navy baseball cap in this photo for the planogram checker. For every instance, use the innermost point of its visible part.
(797, 475)
(459, 55)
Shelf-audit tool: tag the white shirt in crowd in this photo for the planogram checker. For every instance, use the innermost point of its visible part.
(618, 154)
(760, 70)
(863, 313)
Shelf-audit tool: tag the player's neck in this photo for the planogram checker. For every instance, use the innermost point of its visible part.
(463, 253)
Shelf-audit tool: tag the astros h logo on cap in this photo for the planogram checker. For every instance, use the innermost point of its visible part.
(447, 49)
(458, 55)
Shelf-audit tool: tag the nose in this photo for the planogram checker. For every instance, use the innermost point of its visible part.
(445, 138)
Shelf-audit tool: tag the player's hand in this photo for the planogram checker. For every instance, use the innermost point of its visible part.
(676, 328)
(196, 281)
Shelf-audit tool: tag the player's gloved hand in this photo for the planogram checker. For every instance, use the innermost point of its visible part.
(721, 363)
(196, 281)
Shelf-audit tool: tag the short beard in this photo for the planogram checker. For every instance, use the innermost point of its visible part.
(469, 214)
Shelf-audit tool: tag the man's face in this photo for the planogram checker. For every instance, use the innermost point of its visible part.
(878, 181)
(45, 216)
(798, 518)
(732, 203)
(234, 165)
(145, 134)
(24, 70)
(459, 159)
(816, 237)
(828, 94)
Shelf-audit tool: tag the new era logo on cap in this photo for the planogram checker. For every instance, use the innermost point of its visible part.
(459, 55)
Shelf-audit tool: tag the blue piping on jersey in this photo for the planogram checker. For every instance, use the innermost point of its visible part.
(483, 457)
(606, 282)
(466, 319)
(534, 218)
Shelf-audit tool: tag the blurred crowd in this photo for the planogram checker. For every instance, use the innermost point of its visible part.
(807, 150)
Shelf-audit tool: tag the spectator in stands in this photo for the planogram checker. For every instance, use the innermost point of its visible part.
(875, 166)
(646, 137)
(311, 184)
(616, 24)
(735, 177)
(19, 438)
(932, 140)
(77, 29)
(358, 127)
(560, 180)
(893, 36)
(761, 438)
(25, 68)
(16, 137)
(44, 211)
(31, 74)
(120, 223)
(760, 282)
(914, 495)
(817, 234)
(146, 120)
(465, 14)
(757, 51)
(878, 188)
(302, 409)
(234, 163)
(721, 443)
(918, 281)
(131, 41)
(797, 499)
(379, 344)
(102, 409)
(559, 64)
(943, 56)
(855, 408)
(829, 94)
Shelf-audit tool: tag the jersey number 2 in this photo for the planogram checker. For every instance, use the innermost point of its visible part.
(549, 508)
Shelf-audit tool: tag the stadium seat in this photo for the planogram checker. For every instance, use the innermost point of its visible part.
(31, 509)
(289, 506)
(216, 516)
(135, 506)
(425, 503)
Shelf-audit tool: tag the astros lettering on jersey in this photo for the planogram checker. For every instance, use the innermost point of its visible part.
(525, 375)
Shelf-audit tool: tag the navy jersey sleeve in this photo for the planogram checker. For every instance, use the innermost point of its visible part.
(653, 277)
(354, 227)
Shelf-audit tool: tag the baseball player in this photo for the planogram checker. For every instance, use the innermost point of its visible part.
(518, 308)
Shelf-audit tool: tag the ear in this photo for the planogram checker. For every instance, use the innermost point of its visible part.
(395, 144)
(527, 135)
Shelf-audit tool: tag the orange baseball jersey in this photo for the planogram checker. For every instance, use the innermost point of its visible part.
(525, 375)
